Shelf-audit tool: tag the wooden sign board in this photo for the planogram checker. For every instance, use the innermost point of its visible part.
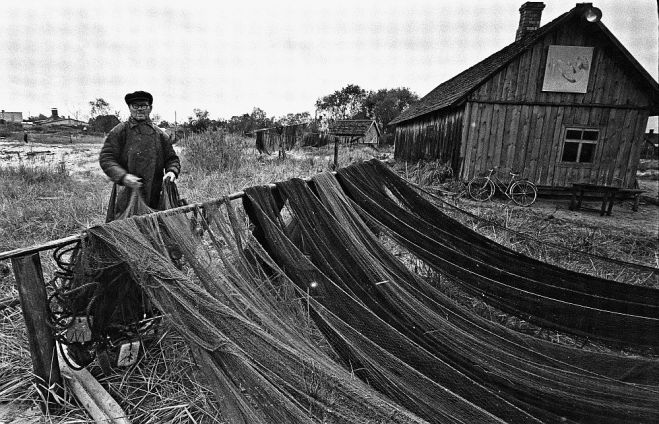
(568, 69)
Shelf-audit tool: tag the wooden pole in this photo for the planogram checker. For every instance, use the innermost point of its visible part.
(92, 396)
(32, 294)
(24, 251)
(336, 153)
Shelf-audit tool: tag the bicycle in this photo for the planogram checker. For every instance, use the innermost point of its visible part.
(520, 191)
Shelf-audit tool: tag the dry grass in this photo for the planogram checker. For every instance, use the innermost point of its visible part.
(40, 203)
(163, 386)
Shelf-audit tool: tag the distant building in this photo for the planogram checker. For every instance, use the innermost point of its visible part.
(15, 117)
(355, 131)
(650, 149)
(64, 122)
(56, 121)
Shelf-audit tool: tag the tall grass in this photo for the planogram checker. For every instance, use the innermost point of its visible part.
(215, 164)
(32, 173)
(214, 150)
(45, 202)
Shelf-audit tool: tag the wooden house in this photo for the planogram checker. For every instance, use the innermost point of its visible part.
(11, 117)
(59, 121)
(64, 122)
(565, 103)
(355, 131)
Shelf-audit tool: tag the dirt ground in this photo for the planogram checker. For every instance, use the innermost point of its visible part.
(643, 221)
(78, 157)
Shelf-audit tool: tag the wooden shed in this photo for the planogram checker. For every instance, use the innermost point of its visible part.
(565, 103)
(650, 148)
(11, 117)
(356, 131)
(282, 137)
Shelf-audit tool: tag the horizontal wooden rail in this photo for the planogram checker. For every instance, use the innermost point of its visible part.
(38, 248)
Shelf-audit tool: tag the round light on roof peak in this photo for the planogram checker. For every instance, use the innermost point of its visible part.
(593, 14)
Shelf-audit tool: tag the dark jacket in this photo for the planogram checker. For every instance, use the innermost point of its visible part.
(142, 149)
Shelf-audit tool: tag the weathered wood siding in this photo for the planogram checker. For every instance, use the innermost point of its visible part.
(433, 136)
(270, 139)
(511, 123)
(529, 138)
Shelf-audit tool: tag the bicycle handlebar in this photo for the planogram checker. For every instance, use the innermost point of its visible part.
(513, 173)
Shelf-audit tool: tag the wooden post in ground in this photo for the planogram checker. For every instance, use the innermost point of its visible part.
(32, 294)
(336, 153)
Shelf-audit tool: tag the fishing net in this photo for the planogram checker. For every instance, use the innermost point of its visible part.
(485, 364)
(297, 311)
(541, 293)
(96, 305)
(247, 337)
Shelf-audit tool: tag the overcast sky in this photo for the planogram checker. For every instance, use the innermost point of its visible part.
(228, 57)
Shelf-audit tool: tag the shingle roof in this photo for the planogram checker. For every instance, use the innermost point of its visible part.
(350, 127)
(457, 88)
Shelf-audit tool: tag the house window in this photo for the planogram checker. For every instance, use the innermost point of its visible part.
(579, 145)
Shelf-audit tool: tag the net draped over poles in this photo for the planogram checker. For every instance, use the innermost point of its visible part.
(545, 294)
(306, 316)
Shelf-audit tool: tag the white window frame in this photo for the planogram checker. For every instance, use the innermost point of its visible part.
(581, 142)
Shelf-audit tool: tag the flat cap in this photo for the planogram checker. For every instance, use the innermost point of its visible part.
(138, 96)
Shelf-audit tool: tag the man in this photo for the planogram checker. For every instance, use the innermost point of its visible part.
(137, 155)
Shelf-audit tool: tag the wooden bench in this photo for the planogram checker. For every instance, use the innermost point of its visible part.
(635, 192)
(607, 194)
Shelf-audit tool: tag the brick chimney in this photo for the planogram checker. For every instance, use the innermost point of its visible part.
(529, 18)
(53, 113)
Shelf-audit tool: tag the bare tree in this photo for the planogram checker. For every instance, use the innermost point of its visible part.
(99, 107)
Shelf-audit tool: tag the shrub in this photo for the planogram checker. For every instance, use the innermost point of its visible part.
(103, 123)
(214, 150)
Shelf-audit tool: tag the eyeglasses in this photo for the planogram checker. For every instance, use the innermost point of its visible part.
(139, 107)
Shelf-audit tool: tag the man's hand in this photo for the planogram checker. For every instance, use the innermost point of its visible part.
(171, 176)
(132, 181)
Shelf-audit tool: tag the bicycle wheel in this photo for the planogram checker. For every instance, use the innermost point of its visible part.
(523, 193)
(480, 189)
